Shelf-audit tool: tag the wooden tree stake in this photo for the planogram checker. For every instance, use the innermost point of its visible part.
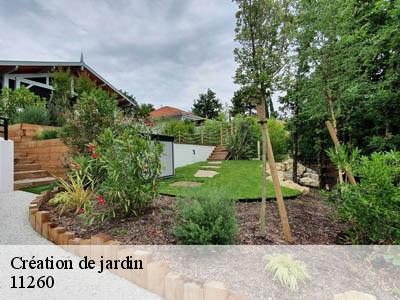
(278, 191)
(337, 144)
(267, 151)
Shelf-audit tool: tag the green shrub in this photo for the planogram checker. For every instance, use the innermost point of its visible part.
(13, 102)
(209, 218)
(48, 134)
(372, 207)
(174, 127)
(92, 113)
(124, 166)
(33, 115)
(242, 142)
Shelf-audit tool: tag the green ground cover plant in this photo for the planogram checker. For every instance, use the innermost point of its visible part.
(206, 219)
(239, 179)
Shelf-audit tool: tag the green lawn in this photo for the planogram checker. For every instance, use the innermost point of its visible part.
(240, 179)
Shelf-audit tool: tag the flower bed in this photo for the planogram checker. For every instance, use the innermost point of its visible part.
(156, 276)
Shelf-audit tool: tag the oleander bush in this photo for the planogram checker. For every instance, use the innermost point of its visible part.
(206, 219)
(123, 165)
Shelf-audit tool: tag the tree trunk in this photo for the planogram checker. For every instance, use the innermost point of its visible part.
(295, 153)
(261, 116)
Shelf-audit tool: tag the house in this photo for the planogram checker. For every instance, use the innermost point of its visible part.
(37, 76)
(168, 113)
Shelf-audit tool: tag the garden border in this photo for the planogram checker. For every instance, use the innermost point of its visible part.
(157, 276)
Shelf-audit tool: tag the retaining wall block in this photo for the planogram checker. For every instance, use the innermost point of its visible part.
(97, 250)
(139, 277)
(65, 237)
(40, 218)
(110, 251)
(32, 218)
(174, 286)
(54, 232)
(46, 229)
(156, 272)
(84, 248)
(215, 290)
(122, 254)
(73, 246)
(193, 291)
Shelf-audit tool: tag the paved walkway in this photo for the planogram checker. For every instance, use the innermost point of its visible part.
(15, 229)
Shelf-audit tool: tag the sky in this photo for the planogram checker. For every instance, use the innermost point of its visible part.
(164, 52)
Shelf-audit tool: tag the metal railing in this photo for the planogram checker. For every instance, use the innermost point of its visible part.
(4, 127)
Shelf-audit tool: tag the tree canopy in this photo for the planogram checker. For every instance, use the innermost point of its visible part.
(207, 105)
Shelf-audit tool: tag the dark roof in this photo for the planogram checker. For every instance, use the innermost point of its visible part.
(26, 67)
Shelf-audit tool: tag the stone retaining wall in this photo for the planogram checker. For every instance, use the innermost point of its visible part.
(156, 275)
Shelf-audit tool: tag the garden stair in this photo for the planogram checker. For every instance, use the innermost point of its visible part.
(219, 153)
(27, 173)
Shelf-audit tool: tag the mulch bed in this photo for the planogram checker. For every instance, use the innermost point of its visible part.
(310, 220)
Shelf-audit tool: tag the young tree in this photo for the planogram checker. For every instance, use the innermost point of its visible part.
(60, 99)
(207, 106)
(243, 102)
(262, 33)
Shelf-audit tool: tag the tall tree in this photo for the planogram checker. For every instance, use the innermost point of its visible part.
(262, 34)
(207, 106)
(243, 101)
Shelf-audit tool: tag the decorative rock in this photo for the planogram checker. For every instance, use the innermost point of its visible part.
(354, 295)
(215, 290)
(202, 173)
(309, 182)
(312, 176)
(192, 291)
(308, 170)
(300, 169)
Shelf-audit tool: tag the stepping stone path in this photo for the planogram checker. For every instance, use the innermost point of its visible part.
(215, 162)
(186, 184)
(210, 167)
(203, 173)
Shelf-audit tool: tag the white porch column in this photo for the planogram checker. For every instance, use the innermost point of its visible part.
(6, 166)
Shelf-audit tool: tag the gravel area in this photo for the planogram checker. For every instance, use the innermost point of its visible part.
(15, 229)
(14, 221)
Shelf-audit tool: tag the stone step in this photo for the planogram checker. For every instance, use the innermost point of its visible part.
(26, 167)
(23, 160)
(30, 174)
(26, 183)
